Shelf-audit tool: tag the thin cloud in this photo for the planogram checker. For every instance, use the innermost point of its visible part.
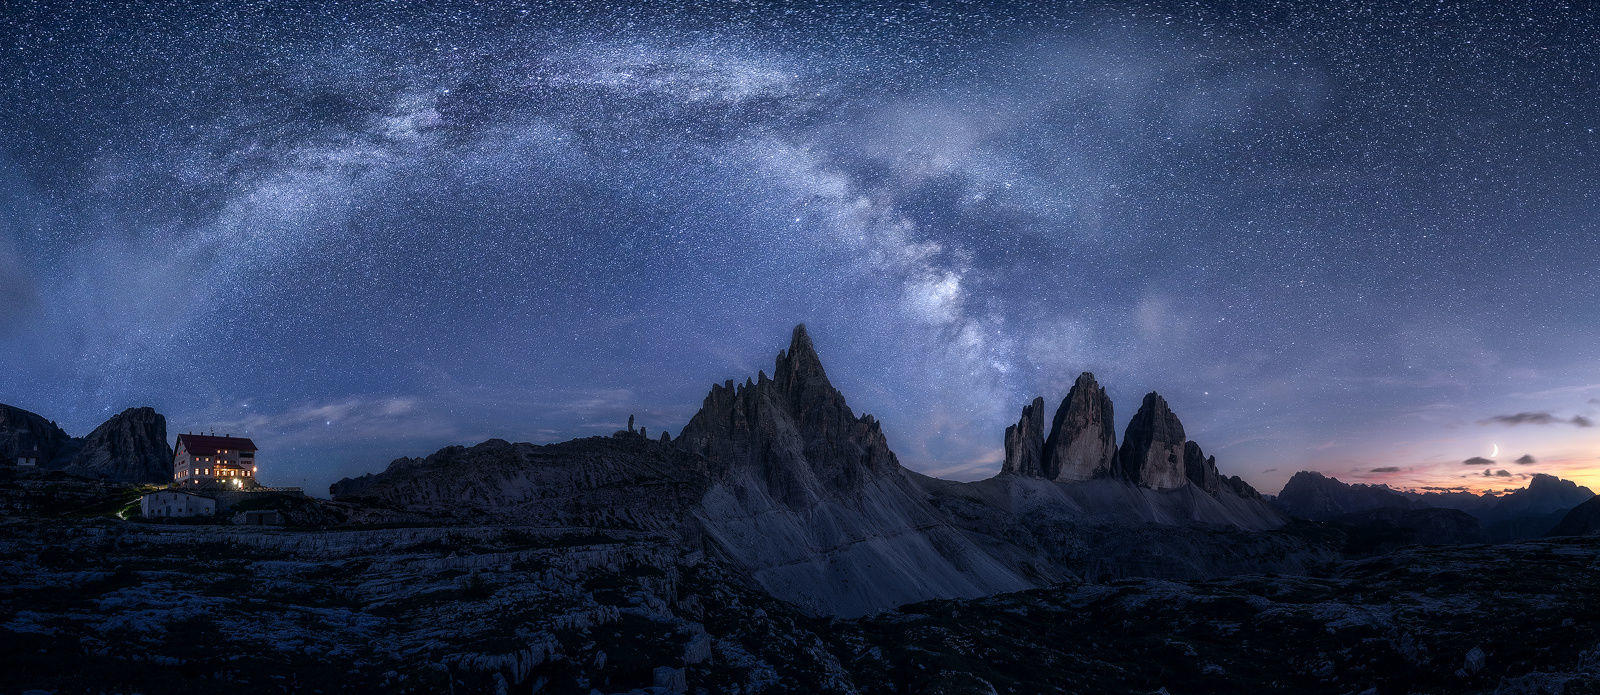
(1386, 469)
(1536, 418)
(1502, 473)
(1526, 459)
(1478, 461)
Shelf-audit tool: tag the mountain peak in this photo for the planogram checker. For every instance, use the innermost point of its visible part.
(1152, 446)
(1308, 478)
(1542, 481)
(795, 429)
(1548, 489)
(799, 336)
(800, 363)
(1083, 439)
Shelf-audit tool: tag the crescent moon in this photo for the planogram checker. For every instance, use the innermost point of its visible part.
(1496, 451)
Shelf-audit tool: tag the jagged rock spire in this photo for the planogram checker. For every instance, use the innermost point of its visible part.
(799, 366)
(1083, 439)
(1153, 446)
(1025, 442)
(794, 428)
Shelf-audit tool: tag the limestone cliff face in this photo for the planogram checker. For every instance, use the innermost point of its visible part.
(1083, 440)
(1200, 470)
(131, 447)
(1025, 443)
(1152, 447)
(21, 431)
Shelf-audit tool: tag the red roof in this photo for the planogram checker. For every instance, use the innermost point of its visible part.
(207, 445)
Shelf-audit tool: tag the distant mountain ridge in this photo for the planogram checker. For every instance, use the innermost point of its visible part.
(1524, 513)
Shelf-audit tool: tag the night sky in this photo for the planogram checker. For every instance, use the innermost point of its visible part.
(1360, 239)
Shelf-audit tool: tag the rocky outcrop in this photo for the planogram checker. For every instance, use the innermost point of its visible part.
(1083, 439)
(1083, 446)
(131, 447)
(23, 431)
(1199, 469)
(1582, 520)
(1238, 486)
(1025, 443)
(1152, 446)
(625, 482)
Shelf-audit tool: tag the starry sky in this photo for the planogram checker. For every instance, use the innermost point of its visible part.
(1359, 238)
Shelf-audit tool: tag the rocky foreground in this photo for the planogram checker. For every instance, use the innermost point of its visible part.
(99, 605)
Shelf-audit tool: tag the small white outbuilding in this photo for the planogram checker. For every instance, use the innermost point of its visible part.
(171, 504)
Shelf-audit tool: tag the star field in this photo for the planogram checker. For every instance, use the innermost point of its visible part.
(1347, 238)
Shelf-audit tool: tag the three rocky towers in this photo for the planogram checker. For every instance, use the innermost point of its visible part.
(1082, 444)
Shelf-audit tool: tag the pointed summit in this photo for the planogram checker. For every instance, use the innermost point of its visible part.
(800, 362)
(1152, 447)
(1083, 441)
(799, 338)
